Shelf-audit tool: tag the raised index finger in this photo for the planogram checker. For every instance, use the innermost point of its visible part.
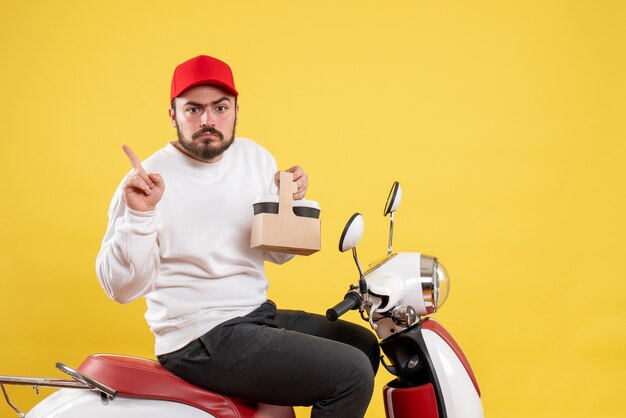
(134, 160)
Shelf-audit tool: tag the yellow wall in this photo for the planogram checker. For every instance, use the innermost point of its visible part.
(503, 121)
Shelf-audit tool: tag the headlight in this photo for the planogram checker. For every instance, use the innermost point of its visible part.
(435, 283)
(443, 287)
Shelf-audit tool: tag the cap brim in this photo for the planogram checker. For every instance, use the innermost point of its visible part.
(211, 82)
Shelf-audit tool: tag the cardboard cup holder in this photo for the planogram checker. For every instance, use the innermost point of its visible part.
(286, 225)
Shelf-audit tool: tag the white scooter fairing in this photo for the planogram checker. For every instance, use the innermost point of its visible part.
(456, 379)
(70, 403)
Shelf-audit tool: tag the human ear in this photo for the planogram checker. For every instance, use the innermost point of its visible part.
(172, 114)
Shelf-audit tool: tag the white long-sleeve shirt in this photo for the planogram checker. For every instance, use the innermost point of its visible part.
(190, 257)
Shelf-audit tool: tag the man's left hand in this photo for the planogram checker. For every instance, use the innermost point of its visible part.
(301, 179)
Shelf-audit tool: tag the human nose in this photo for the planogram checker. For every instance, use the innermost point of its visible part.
(207, 120)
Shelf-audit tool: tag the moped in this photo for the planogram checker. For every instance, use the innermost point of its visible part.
(394, 295)
(433, 377)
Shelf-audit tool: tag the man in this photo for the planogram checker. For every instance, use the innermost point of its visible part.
(186, 249)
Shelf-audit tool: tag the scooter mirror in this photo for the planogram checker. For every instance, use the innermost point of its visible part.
(394, 198)
(352, 233)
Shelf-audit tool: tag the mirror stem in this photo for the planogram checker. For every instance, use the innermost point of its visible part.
(362, 282)
(390, 234)
(358, 265)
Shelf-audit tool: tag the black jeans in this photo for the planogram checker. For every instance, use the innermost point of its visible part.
(284, 357)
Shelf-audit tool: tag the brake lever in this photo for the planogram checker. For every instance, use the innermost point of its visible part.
(371, 314)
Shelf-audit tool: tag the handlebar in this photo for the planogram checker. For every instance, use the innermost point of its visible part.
(352, 300)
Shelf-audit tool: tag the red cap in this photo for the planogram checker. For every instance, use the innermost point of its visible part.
(202, 70)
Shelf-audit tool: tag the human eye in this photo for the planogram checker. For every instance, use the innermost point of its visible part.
(193, 109)
(221, 108)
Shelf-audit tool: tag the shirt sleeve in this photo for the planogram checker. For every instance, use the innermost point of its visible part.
(128, 262)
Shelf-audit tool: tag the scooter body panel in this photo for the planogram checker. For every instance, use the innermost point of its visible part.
(415, 402)
(460, 395)
(433, 375)
(73, 403)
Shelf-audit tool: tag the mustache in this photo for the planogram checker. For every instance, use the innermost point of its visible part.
(207, 130)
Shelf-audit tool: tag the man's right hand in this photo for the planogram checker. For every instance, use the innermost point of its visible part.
(142, 191)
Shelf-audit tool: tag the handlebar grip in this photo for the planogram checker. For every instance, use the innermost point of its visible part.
(352, 300)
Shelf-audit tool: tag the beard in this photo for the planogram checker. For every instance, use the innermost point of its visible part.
(206, 149)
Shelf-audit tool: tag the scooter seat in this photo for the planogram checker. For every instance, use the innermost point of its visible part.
(144, 378)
